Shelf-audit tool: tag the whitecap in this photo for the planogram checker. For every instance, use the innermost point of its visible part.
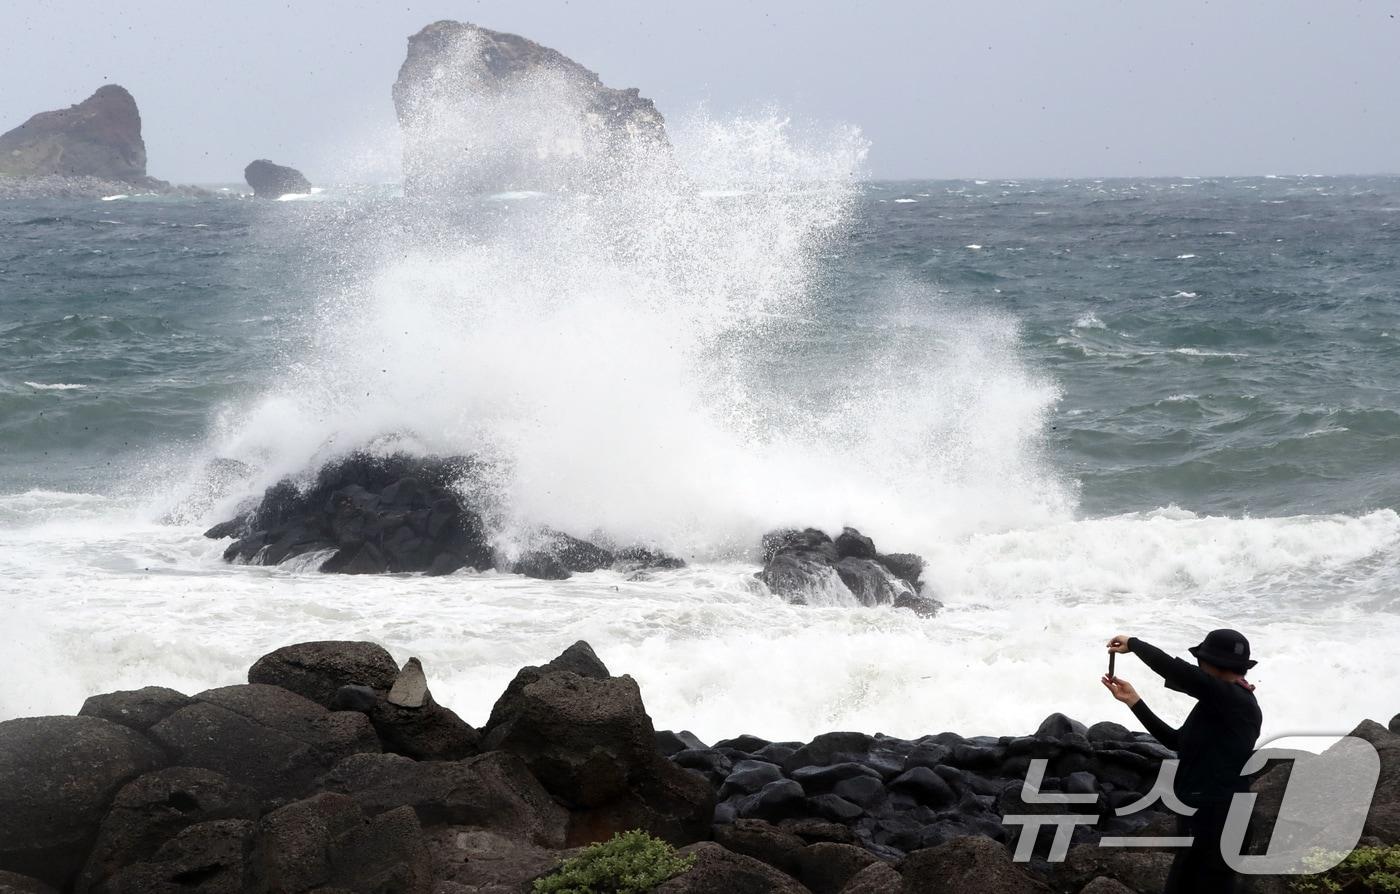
(1197, 352)
(1184, 257)
(58, 386)
(980, 182)
(515, 195)
(114, 198)
(973, 247)
(1089, 321)
(1184, 295)
(905, 201)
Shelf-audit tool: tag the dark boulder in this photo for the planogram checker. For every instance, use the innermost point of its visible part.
(571, 552)
(584, 738)
(870, 582)
(371, 515)
(748, 777)
(266, 737)
(905, 566)
(877, 878)
(926, 754)
(826, 868)
(645, 558)
(541, 566)
(777, 800)
(800, 577)
(316, 670)
(57, 777)
(493, 791)
(1107, 731)
(326, 842)
(587, 737)
(862, 790)
(763, 841)
(272, 181)
(834, 808)
(926, 786)
(811, 830)
(831, 748)
(807, 566)
(139, 709)
(578, 658)
(215, 857)
(669, 743)
(427, 733)
(1058, 726)
(749, 744)
(970, 863)
(717, 869)
(852, 544)
(153, 809)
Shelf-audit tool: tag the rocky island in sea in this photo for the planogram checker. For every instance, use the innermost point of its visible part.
(484, 111)
(93, 148)
(270, 180)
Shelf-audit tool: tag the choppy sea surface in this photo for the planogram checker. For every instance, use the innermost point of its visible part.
(1142, 406)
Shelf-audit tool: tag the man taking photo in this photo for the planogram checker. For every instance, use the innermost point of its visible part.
(1212, 745)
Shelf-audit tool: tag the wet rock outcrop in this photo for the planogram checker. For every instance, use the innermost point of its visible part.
(254, 787)
(371, 514)
(272, 181)
(484, 111)
(367, 514)
(807, 566)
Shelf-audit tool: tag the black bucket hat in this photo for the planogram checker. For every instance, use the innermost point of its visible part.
(1226, 649)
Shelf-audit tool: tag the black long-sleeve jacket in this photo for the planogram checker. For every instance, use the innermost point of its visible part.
(1218, 736)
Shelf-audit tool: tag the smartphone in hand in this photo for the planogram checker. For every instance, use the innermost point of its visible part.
(1111, 656)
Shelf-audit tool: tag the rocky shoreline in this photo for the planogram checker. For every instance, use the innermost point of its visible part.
(375, 514)
(334, 769)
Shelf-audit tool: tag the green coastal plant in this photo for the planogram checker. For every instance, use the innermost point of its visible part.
(1364, 870)
(630, 863)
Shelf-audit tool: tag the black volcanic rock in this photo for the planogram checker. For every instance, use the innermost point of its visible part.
(368, 514)
(317, 670)
(484, 111)
(58, 775)
(807, 565)
(99, 137)
(271, 181)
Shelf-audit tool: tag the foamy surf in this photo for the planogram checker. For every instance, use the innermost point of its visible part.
(107, 606)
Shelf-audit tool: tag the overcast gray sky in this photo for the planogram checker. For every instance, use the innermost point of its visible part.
(996, 88)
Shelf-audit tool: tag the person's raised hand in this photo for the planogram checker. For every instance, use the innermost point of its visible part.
(1119, 643)
(1121, 689)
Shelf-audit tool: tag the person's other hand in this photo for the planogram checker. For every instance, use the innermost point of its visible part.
(1122, 690)
(1119, 643)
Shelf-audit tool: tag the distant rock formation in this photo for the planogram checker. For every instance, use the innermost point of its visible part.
(272, 181)
(483, 111)
(94, 146)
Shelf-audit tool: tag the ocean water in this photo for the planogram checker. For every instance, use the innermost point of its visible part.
(1143, 406)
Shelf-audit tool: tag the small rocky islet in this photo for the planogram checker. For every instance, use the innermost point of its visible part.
(333, 768)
